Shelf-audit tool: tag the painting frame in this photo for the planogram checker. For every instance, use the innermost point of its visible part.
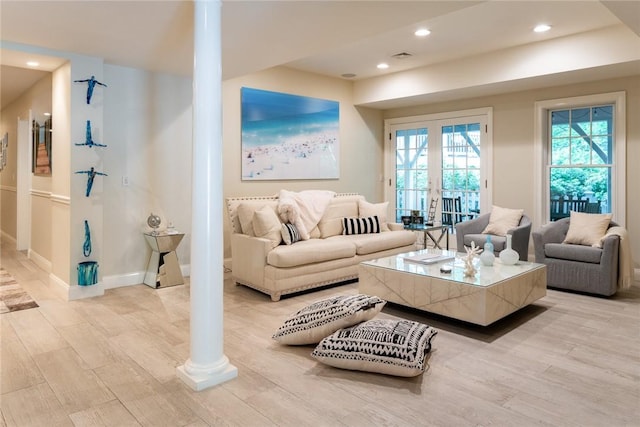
(41, 164)
(288, 137)
(4, 150)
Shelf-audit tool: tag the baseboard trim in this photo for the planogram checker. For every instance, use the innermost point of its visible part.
(39, 260)
(122, 280)
(136, 278)
(69, 293)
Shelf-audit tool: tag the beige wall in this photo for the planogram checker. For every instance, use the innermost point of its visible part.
(38, 100)
(361, 155)
(513, 150)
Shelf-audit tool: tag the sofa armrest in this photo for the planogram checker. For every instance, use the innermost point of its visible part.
(394, 226)
(249, 258)
(520, 238)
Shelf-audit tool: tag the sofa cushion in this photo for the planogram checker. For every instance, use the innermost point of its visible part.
(369, 225)
(246, 210)
(314, 322)
(587, 228)
(310, 251)
(499, 242)
(331, 222)
(266, 224)
(502, 220)
(579, 253)
(386, 346)
(366, 209)
(290, 234)
(371, 243)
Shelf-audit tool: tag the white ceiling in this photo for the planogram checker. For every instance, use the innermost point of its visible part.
(325, 37)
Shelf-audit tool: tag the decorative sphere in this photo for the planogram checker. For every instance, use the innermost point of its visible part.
(154, 221)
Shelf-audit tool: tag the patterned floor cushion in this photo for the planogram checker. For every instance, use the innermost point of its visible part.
(392, 347)
(314, 322)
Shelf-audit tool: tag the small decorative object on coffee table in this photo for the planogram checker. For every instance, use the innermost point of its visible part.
(487, 257)
(508, 256)
(472, 252)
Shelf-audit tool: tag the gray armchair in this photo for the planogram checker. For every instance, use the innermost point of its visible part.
(577, 267)
(471, 231)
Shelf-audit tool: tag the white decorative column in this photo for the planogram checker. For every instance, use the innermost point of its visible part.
(207, 365)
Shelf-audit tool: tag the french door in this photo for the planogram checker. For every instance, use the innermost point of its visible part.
(431, 158)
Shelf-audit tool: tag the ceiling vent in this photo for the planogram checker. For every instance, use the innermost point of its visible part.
(401, 55)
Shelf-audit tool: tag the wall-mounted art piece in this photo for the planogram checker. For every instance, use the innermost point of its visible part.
(91, 174)
(88, 139)
(91, 83)
(4, 147)
(289, 136)
(41, 138)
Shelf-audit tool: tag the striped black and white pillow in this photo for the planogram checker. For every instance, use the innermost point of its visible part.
(290, 233)
(366, 225)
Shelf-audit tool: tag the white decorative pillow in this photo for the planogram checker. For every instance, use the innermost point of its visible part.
(314, 322)
(290, 234)
(586, 228)
(385, 346)
(331, 222)
(502, 220)
(366, 209)
(266, 224)
(368, 225)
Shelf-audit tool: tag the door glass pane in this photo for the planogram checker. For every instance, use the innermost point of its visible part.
(411, 172)
(460, 172)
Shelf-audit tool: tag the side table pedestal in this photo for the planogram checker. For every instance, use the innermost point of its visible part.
(163, 269)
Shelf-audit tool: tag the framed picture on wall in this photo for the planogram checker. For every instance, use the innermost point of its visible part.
(289, 136)
(41, 163)
(4, 146)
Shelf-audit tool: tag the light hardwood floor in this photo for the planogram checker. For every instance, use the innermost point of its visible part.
(567, 360)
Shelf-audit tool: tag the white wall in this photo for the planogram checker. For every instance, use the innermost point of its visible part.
(147, 127)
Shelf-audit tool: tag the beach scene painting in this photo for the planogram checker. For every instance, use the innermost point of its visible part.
(288, 136)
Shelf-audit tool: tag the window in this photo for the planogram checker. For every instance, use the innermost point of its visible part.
(580, 145)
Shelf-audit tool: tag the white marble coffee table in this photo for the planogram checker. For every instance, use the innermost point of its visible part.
(493, 293)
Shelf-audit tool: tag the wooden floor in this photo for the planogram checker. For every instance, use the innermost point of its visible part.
(568, 360)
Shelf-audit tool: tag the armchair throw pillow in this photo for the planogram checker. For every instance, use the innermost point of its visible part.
(586, 228)
(502, 220)
(290, 234)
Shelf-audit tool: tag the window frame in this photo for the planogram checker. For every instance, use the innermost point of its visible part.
(541, 191)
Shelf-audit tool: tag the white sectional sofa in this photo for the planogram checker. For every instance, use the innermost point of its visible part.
(328, 257)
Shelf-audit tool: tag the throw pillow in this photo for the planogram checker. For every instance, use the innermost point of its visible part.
(586, 228)
(267, 225)
(361, 225)
(366, 209)
(315, 321)
(290, 234)
(502, 220)
(385, 346)
(331, 222)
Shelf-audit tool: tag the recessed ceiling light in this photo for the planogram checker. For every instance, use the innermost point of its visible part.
(542, 28)
(33, 63)
(47, 114)
(383, 66)
(348, 75)
(422, 32)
